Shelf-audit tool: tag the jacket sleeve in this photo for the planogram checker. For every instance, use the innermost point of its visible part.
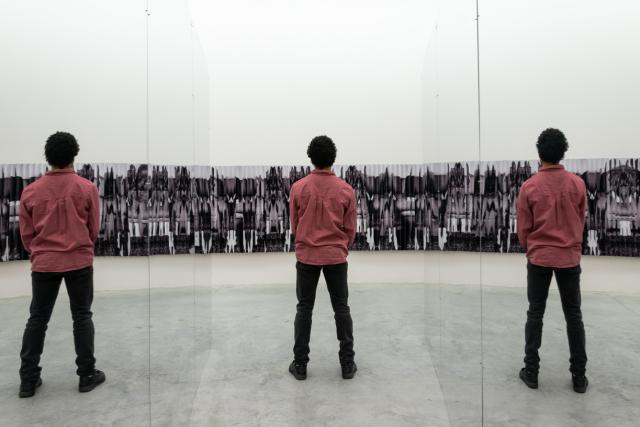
(27, 230)
(94, 214)
(524, 218)
(293, 209)
(350, 217)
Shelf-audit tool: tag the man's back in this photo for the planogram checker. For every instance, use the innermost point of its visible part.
(59, 221)
(551, 215)
(323, 218)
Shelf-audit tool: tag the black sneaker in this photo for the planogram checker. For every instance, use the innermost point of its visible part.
(28, 389)
(298, 370)
(349, 370)
(580, 383)
(89, 382)
(529, 377)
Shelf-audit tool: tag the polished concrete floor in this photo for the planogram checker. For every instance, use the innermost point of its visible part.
(219, 358)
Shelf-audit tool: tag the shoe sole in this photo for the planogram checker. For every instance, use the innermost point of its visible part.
(87, 389)
(26, 394)
(297, 376)
(532, 386)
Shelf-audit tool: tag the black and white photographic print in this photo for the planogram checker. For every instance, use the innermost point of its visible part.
(124, 214)
(457, 206)
(613, 217)
(245, 209)
(13, 179)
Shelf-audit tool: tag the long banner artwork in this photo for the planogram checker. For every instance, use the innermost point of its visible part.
(464, 206)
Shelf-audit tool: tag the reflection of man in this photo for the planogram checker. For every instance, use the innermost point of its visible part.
(323, 220)
(59, 223)
(551, 216)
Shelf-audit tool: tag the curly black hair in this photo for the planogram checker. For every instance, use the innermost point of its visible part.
(322, 152)
(60, 150)
(552, 145)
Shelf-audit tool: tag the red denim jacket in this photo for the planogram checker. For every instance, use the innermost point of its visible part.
(323, 218)
(551, 211)
(60, 221)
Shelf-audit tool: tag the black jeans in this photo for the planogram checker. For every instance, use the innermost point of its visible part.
(538, 282)
(306, 284)
(45, 287)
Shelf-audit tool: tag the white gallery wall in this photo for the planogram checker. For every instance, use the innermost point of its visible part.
(562, 64)
(76, 66)
(82, 67)
(283, 71)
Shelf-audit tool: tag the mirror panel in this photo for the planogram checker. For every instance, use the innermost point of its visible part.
(550, 64)
(455, 225)
(80, 68)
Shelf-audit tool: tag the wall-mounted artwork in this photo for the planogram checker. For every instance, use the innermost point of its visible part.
(464, 206)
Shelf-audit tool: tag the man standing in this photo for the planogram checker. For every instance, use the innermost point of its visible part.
(550, 222)
(323, 221)
(59, 224)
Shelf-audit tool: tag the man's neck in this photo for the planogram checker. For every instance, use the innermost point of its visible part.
(328, 169)
(69, 166)
(547, 164)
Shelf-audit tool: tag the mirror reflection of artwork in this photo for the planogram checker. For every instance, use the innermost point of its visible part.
(458, 206)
